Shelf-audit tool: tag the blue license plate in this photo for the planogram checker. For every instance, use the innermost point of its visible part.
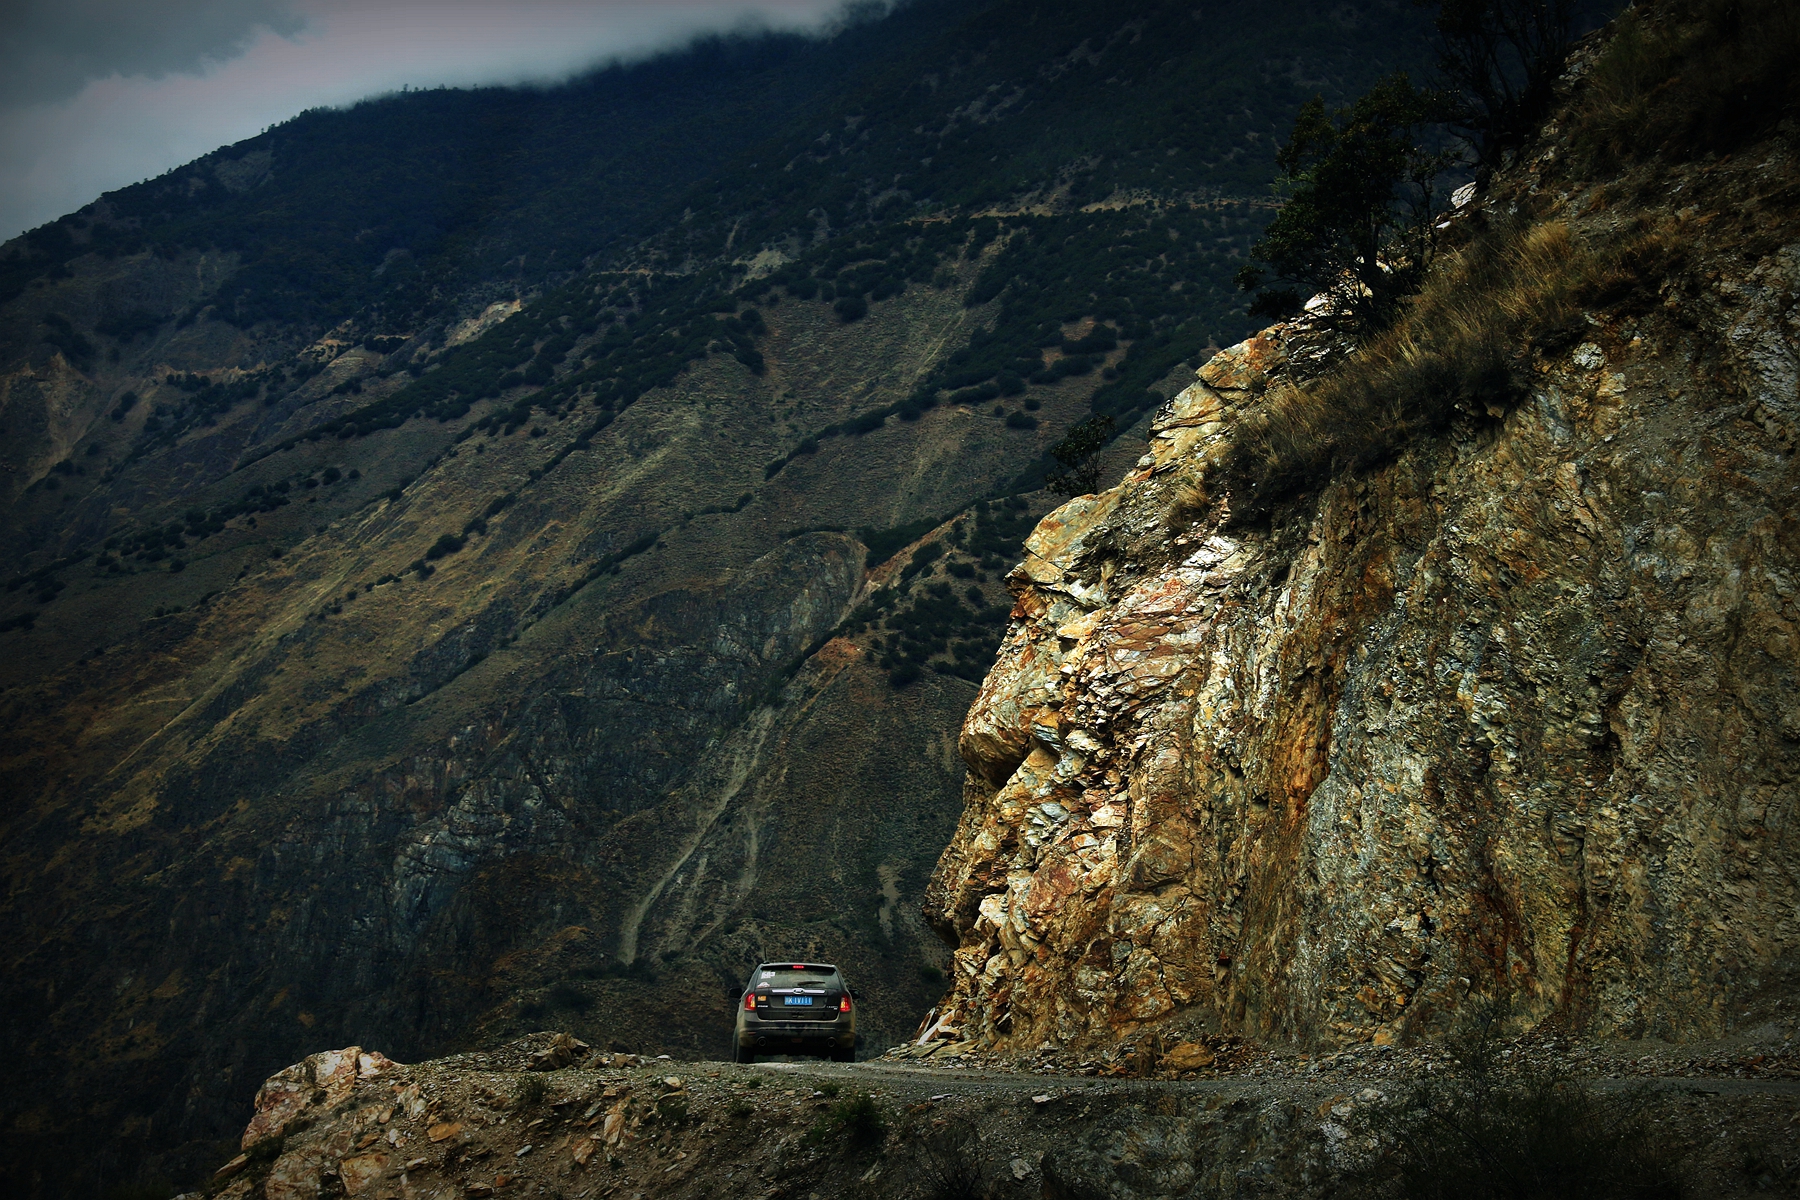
(796, 999)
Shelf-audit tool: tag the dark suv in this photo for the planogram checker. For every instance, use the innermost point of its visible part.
(796, 1008)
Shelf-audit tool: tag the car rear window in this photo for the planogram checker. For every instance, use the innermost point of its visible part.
(788, 977)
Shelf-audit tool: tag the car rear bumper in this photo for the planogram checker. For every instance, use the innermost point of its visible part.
(774, 1035)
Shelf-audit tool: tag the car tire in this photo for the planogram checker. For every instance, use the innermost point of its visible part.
(739, 1054)
(843, 1056)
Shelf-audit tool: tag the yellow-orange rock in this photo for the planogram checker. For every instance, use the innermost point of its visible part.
(1510, 714)
(1187, 1056)
(362, 1172)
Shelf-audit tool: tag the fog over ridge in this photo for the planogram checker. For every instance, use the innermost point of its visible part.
(100, 94)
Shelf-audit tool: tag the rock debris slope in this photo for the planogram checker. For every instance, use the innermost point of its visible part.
(1511, 714)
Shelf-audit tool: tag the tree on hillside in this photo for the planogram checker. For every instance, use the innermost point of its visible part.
(1500, 60)
(1079, 454)
(1361, 195)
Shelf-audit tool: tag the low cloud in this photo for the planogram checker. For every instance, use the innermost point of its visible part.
(97, 94)
(51, 49)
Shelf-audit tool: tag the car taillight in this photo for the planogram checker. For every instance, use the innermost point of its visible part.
(749, 1001)
(844, 1004)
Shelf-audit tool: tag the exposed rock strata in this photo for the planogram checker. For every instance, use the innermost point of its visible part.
(1510, 715)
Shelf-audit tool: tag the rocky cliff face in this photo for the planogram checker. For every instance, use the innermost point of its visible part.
(1511, 714)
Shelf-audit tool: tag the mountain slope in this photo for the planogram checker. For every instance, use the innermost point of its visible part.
(415, 663)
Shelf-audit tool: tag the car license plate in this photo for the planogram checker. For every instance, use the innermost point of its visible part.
(796, 1000)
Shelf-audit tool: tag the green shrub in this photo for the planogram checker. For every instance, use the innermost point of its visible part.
(530, 1092)
(980, 394)
(858, 1122)
(867, 422)
(883, 544)
(922, 558)
(448, 544)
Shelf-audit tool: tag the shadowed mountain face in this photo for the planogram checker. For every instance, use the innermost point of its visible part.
(535, 615)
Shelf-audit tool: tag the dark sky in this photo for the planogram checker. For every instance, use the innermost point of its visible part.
(97, 94)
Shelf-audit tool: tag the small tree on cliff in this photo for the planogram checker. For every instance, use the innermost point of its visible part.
(1079, 454)
(1499, 61)
(1361, 196)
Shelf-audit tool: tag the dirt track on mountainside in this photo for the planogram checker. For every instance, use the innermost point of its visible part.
(1045, 1127)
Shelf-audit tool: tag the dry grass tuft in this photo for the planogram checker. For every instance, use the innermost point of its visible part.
(1189, 503)
(1678, 78)
(1464, 347)
(1683, 77)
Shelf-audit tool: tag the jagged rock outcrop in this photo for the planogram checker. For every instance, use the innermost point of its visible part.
(1510, 715)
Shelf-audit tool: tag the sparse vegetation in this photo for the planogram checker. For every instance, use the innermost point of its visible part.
(1499, 60)
(530, 1092)
(1462, 347)
(946, 1165)
(923, 622)
(126, 325)
(1362, 195)
(1078, 453)
(1683, 77)
(1483, 1132)
(858, 1122)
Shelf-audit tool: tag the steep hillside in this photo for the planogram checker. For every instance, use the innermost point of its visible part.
(414, 636)
(1456, 669)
